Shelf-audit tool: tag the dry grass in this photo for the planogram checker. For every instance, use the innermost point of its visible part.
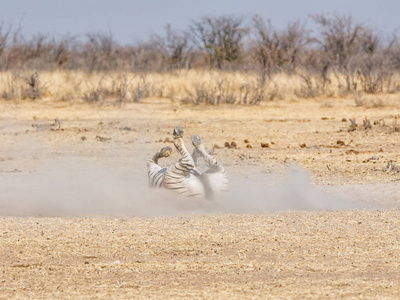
(193, 86)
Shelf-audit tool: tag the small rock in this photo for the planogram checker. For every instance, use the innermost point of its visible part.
(375, 157)
(102, 139)
(351, 151)
(264, 145)
(341, 143)
(248, 146)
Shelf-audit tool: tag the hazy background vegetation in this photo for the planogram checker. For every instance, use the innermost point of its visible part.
(223, 59)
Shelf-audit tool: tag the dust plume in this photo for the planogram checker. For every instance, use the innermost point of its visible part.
(294, 192)
(78, 187)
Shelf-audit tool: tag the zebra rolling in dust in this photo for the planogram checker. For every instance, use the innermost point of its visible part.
(183, 176)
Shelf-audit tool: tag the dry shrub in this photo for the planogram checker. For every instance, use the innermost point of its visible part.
(190, 86)
(312, 86)
(20, 86)
(226, 88)
(246, 62)
(373, 101)
(220, 39)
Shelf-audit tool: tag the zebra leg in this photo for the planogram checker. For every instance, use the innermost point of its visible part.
(154, 171)
(164, 152)
(182, 176)
(195, 156)
(185, 163)
(211, 161)
(214, 179)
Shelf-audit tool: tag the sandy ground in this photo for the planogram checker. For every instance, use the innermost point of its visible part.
(315, 214)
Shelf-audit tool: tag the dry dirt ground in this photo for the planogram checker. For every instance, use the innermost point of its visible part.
(312, 214)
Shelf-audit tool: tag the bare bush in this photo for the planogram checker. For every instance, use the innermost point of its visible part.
(94, 93)
(278, 50)
(121, 88)
(221, 90)
(175, 48)
(141, 89)
(200, 95)
(220, 38)
(376, 73)
(343, 57)
(33, 82)
(5, 33)
(218, 91)
(99, 51)
(11, 90)
(341, 39)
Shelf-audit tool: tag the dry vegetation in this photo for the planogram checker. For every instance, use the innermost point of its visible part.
(77, 122)
(186, 86)
(189, 86)
(215, 60)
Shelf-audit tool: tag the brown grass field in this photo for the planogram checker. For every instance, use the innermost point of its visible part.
(313, 214)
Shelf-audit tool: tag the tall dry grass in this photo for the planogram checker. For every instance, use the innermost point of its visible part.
(188, 86)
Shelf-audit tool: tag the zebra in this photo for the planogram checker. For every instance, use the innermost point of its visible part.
(183, 176)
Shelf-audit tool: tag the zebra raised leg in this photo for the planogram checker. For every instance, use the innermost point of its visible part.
(155, 172)
(215, 180)
(182, 176)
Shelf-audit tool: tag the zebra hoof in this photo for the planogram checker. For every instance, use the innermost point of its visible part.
(165, 151)
(196, 140)
(178, 132)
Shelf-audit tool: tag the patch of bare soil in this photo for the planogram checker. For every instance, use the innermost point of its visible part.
(313, 211)
(352, 254)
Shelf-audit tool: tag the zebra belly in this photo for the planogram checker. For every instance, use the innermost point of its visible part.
(189, 185)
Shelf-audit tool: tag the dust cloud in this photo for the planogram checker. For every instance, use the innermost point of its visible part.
(78, 187)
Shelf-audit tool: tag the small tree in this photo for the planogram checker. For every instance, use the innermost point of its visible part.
(174, 47)
(220, 38)
(277, 50)
(99, 50)
(341, 39)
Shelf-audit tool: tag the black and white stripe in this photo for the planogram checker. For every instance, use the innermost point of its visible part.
(183, 177)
